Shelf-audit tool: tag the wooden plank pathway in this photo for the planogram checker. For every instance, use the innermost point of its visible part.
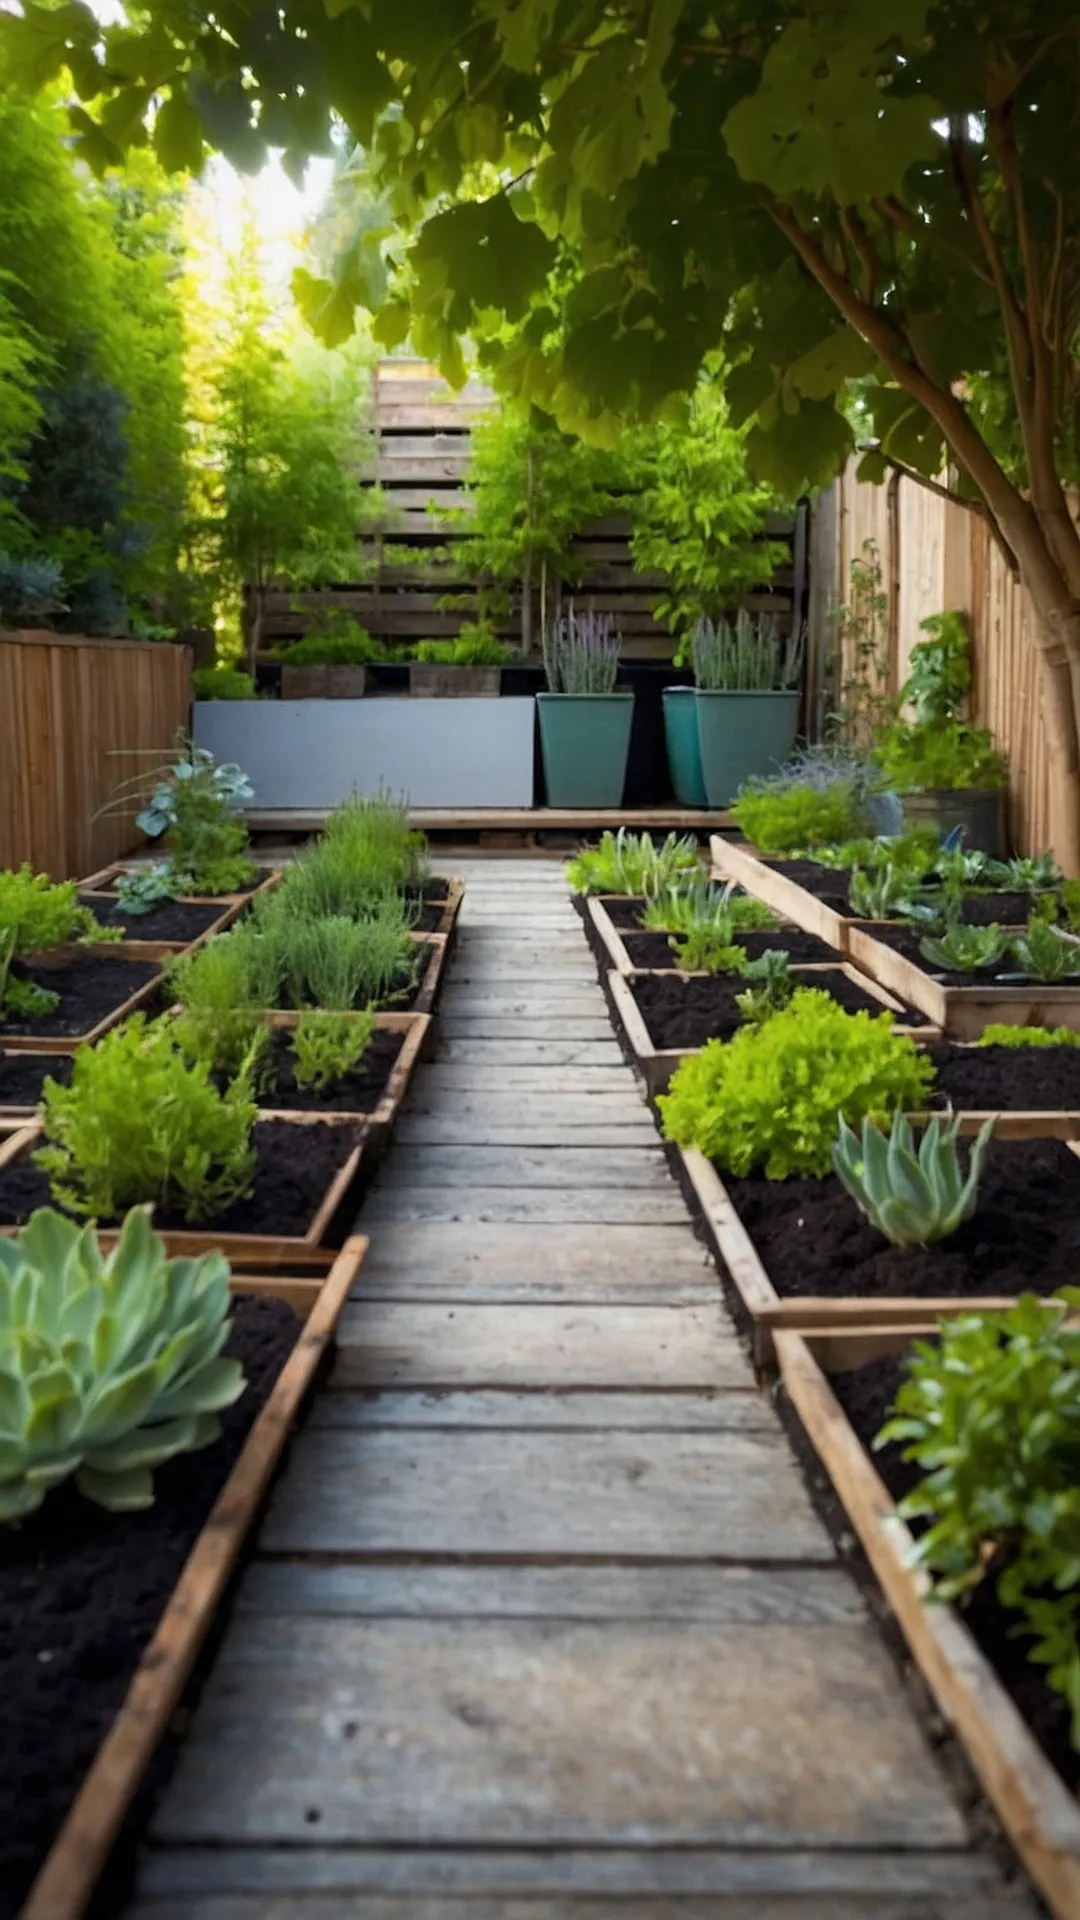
(542, 1625)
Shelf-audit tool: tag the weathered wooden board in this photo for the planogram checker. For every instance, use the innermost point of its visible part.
(736, 1409)
(678, 1496)
(598, 1206)
(492, 1261)
(397, 1731)
(731, 1596)
(622, 1109)
(472, 1001)
(527, 1029)
(409, 1906)
(640, 1168)
(531, 1053)
(944, 1884)
(474, 1077)
(431, 1130)
(383, 1344)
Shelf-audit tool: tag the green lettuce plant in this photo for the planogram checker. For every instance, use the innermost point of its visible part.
(1004, 1036)
(222, 683)
(110, 1364)
(326, 1046)
(785, 819)
(474, 647)
(913, 1197)
(964, 949)
(144, 888)
(1043, 953)
(38, 913)
(632, 863)
(991, 1414)
(769, 1099)
(141, 1121)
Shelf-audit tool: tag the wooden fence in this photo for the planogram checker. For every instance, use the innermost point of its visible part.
(936, 556)
(421, 455)
(75, 717)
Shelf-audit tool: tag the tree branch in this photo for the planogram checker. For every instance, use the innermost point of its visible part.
(1016, 333)
(864, 247)
(977, 507)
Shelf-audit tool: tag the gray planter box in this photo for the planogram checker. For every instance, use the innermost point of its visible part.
(313, 753)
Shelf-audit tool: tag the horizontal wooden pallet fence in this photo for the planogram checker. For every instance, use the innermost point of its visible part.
(420, 459)
(77, 716)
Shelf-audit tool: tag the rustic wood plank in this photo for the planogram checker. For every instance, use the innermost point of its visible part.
(638, 1497)
(463, 1076)
(624, 1109)
(939, 1880)
(636, 1167)
(434, 1130)
(739, 1409)
(383, 1344)
(731, 1596)
(441, 1907)
(527, 1030)
(574, 1002)
(532, 1053)
(583, 1262)
(597, 1206)
(395, 1733)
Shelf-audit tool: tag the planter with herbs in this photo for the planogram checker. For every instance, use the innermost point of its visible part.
(64, 978)
(747, 679)
(584, 722)
(132, 1507)
(948, 773)
(974, 1434)
(819, 1225)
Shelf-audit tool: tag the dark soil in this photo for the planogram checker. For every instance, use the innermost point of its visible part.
(830, 886)
(295, 1167)
(827, 884)
(1006, 909)
(359, 1092)
(1024, 1235)
(866, 1395)
(651, 950)
(908, 941)
(81, 1592)
(90, 988)
(22, 1076)
(176, 920)
(1006, 1079)
(687, 1011)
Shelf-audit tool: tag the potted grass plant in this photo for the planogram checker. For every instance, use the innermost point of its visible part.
(584, 722)
(747, 698)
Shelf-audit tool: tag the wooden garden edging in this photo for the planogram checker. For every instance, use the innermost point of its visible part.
(1037, 1810)
(656, 1065)
(962, 1013)
(730, 861)
(415, 1028)
(61, 1043)
(243, 1250)
(773, 1313)
(231, 905)
(65, 1884)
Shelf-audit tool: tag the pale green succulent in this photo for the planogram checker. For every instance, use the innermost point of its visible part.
(913, 1198)
(109, 1363)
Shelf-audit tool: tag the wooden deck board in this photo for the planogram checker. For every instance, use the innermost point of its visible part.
(543, 1625)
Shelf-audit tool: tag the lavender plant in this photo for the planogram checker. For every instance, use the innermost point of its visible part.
(750, 656)
(581, 653)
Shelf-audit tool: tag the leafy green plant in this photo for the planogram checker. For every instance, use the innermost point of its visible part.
(366, 853)
(885, 894)
(1044, 953)
(912, 1197)
(350, 645)
(686, 907)
(1034, 875)
(991, 1414)
(141, 889)
(708, 949)
(471, 649)
(999, 1035)
(938, 750)
(326, 1046)
(192, 803)
(140, 1121)
(747, 656)
(1069, 904)
(963, 949)
(632, 863)
(581, 653)
(222, 683)
(110, 1364)
(341, 963)
(38, 913)
(784, 819)
(769, 1098)
(761, 1001)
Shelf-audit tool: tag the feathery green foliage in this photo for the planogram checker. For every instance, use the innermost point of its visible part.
(326, 1046)
(998, 1035)
(110, 1364)
(790, 819)
(749, 655)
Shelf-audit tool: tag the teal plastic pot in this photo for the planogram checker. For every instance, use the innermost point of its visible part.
(740, 735)
(683, 746)
(979, 810)
(585, 740)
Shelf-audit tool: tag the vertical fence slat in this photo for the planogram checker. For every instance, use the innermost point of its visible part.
(74, 714)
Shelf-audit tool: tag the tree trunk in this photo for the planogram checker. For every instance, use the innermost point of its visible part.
(1058, 645)
(527, 605)
(256, 612)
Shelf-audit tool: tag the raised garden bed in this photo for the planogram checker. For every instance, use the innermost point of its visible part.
(371, 1094)
(962, 1005)
(619, 941)
(98, 986)
(800, 1254)
(1040, 1083)
(438, 903)
(666, 1015)
(172, 927)
(306, 1171)
(1013, 1729)
(122, 1604)
(104, 880)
